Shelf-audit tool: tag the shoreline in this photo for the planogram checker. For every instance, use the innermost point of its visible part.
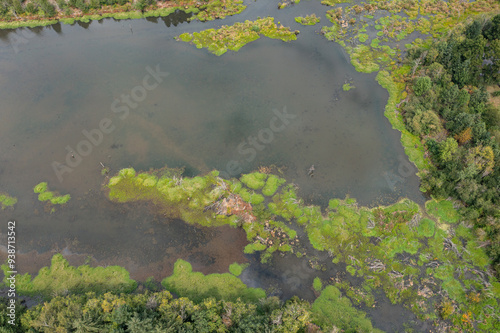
(126, 14)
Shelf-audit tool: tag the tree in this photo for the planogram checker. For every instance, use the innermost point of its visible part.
(422, 85)
(465, 136)
(425, 123)
(492, 29)
(447, 149)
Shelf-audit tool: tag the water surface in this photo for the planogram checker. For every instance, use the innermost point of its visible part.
(63, 80)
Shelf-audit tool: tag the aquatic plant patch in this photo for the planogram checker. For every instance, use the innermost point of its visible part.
(197, 286)
(61, 278)
(212, 201)
(219, 9)
(234, 37)
(236, 269)
(6, 200)
(335, 311)
(308, 19)
(51, 197)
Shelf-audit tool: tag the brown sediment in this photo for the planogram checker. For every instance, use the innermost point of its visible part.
(225, 247)
(158, 133)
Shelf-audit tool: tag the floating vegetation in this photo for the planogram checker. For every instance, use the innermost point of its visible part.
(317, 284)
(61, 279)
(53, 197)
(442, 209)
(411, 253)
(220, 9)
(428, 17)
(308, 20)
(347, 87)
(236, 36)
(236, 269)
(196, 286)
(6, 200)
(285, 3)
(396, 249)
(212, 201)
(336, 313)
(334, 2)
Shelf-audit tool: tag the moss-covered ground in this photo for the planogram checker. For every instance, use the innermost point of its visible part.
(234, 37)
(236, 269)
(212, 201)
(335, 312)
(51, 197)
(219, 9)
(197, 286)
(6, 200)
(62, 279)
(308, 19)
(423, 258)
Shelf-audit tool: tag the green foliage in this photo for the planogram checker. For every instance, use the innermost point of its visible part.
(347, 87)
(236, 269)
(442, 209)
(332, 310)
(40, 188)
(334, 2)
(426, 228)
(6, 200)
(220, 9)
(254, 180)
(159, 312)
(196, 286)
(363, 59)
(61, 278)
(236, 36)
(317, 284)
(422, 85)
(53, 197)
(308, 20)
(272, 184)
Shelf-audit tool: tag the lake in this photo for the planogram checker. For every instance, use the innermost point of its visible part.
(271, 103)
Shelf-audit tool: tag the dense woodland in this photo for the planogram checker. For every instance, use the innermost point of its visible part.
(12, 9)
(159, 312)
(449, 108)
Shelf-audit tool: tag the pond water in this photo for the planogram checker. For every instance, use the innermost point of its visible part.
(271, 103)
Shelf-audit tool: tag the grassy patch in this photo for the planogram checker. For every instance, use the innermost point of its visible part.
(196, 286)
(442, 209)
(347, 87)
(331, 309)
(334, 2)
(363, 59)
(6, 200)
(236, 269)
(61, 278)
(236, 36)
(317, 284)
(50, 196)
(308, 19)
(220, 9)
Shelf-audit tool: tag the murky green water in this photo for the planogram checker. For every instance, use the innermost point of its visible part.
(209, 112)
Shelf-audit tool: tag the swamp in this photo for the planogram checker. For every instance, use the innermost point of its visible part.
(284, 166)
